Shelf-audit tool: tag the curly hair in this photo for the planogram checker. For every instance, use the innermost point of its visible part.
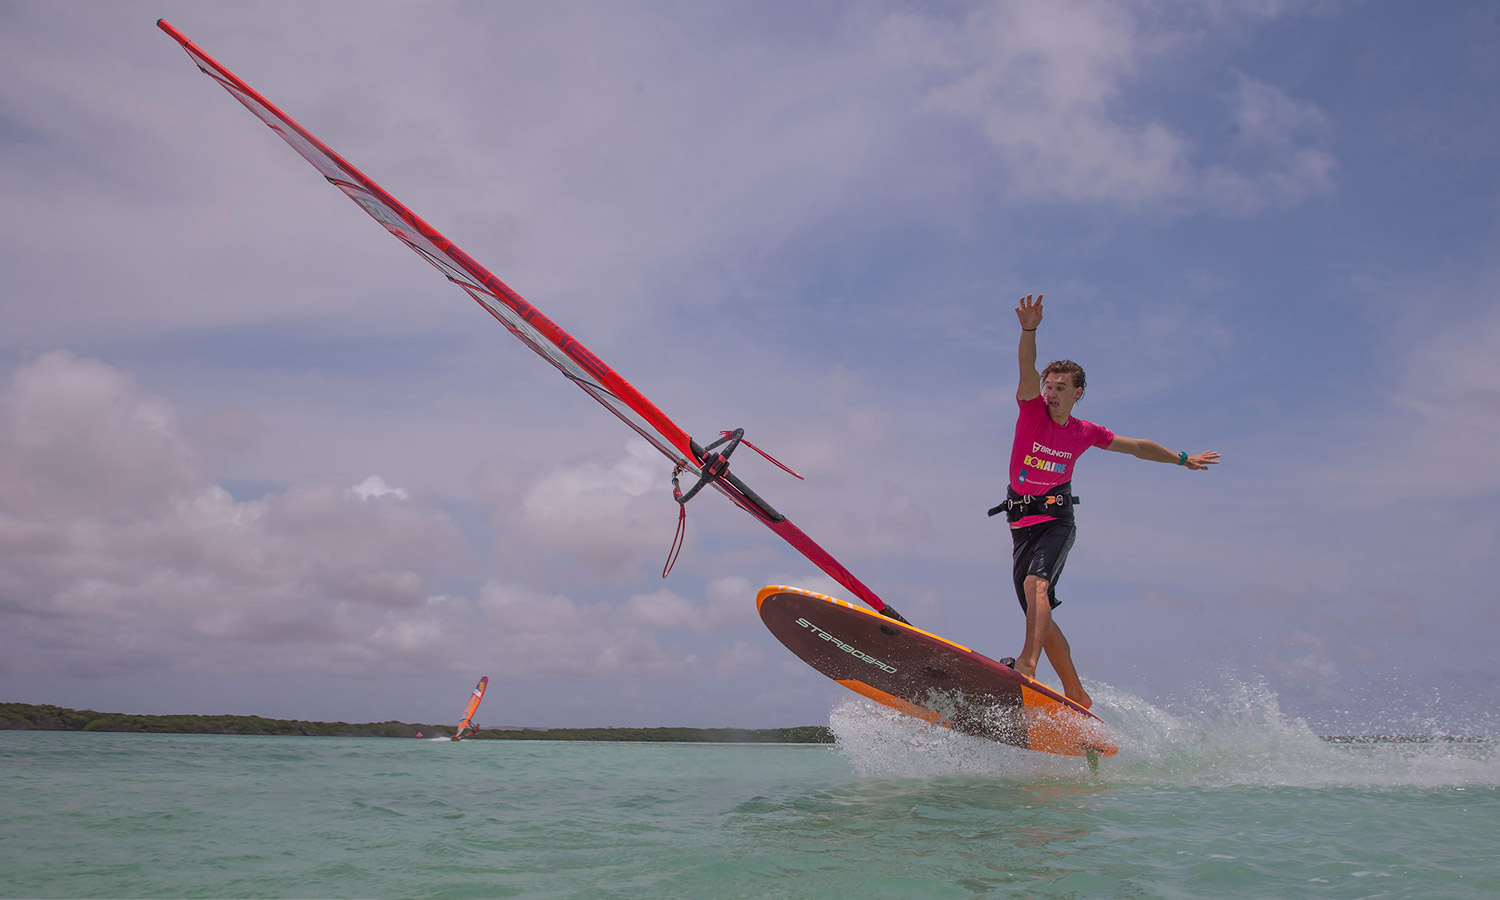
(1067, 367)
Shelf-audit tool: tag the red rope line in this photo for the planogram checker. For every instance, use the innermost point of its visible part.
(676, 541)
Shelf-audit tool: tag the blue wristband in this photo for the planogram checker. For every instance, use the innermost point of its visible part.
(1182, 457)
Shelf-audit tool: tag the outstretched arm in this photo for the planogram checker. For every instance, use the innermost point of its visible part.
(1154, 452)
(1030, 314)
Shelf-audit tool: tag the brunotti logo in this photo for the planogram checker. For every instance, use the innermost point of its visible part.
(882, 666)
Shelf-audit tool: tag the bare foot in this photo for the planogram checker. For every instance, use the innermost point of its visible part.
(1081, 697)
(1019, 666)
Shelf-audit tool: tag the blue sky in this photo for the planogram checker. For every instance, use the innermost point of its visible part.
(258, 458)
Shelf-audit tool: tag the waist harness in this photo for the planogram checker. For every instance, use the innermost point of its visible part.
(1057, 502)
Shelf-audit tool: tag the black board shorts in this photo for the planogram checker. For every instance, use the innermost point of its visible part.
(1041, 550)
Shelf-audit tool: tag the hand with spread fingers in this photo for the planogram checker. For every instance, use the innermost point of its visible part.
(1030, 312)
(1200, 461)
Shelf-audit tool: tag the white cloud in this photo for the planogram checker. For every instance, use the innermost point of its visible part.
(1446, 407)
(533, 634)
(727, 607)
(79, 436)
(610, 518)
(375, 487)
(741, 659)
(1041, 81)
(315, 576)
(525, 611)
(1050, 84)
(109, 527)
(663, 609)
(663, 144)
(1273, 160)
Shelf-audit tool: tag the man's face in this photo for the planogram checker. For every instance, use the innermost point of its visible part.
(1059, 393)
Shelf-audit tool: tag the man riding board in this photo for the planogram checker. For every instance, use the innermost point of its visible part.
(1039, 504)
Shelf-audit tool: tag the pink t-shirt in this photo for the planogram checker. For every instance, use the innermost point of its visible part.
(1044, 452)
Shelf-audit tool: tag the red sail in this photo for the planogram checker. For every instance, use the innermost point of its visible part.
(473, 706)
(541, 334)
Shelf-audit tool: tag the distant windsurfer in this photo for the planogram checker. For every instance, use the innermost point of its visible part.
(1039, 502)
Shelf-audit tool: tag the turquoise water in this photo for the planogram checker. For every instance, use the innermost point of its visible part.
(1237, 802)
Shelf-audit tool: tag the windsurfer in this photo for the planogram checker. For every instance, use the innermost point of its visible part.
(1039, 504)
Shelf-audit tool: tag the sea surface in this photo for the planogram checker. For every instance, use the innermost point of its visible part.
(1234, 801)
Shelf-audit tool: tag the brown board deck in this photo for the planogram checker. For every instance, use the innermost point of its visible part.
(929, 677)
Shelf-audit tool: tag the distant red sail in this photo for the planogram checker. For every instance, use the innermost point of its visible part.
(473, 706)
(576, 362)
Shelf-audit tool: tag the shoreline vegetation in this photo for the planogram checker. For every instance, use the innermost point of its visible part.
(33, 717)
(30, 717)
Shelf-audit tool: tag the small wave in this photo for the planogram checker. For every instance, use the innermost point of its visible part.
(1233, 735)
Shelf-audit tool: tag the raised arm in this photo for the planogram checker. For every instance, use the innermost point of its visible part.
(1154, 452)
(1030, 314)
